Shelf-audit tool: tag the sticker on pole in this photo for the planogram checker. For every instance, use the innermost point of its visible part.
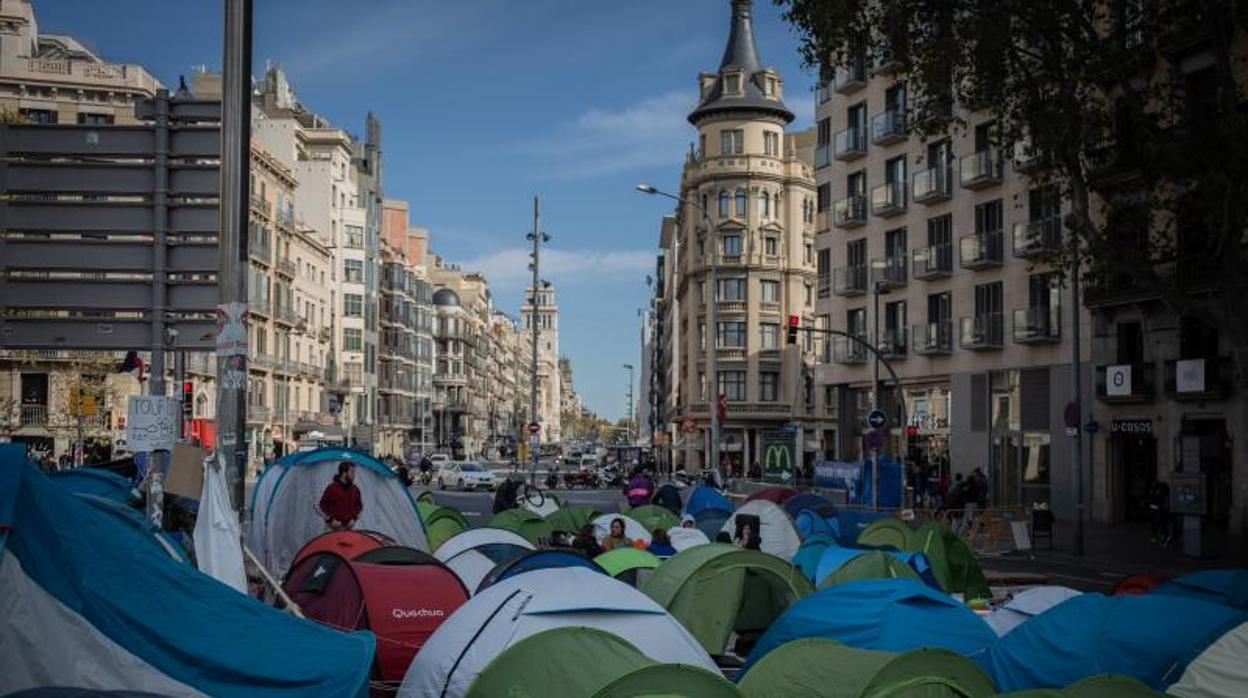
(232, 329)
(151, 423)
(874, 440)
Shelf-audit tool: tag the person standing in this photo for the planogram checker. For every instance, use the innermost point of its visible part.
(341, 503)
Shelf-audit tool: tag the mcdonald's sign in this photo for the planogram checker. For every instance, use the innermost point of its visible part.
(777, 457)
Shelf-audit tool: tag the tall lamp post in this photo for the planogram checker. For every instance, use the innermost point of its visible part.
(537, 237)
(629, 395)
(712, 323)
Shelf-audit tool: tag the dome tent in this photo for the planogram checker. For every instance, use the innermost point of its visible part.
(1100, 686)
(1026, 605)
(472, 554)
(810, 522)
(716, 589)
(670, 680)
(628, 565)
(632, 529)
(349, 544)
(1228, 587)
(808, 500)
(683, 538)
(710, 521)
(776, 495)
(535, 560)
(886, 533)
(873, 566)
(704, 497)
(668, 497)
(531, 526)
(94, 481)
(527, 604)
(1220, 671)
(441, 522)
(777, 535)
(283, 518)
(830, 669)
(869, 564)
(572, 518)
(953, 563)
(652, 516)
(809, 553)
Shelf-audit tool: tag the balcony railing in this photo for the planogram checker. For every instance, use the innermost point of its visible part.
(889, 272)
(888, 127)
(1037, 325)
(33, 415)
(848, 351)
(935, 262)
(982, 250)
(1125, 383)
(260, 251)
(823, 155)
(258, 203)
(1032, 238)
(1027, 159)
(285, 314)
(258, 413)
(850, 77)
(850, 143)
(893, 341)
(980, 169)
(286, 267)
(850, 281)
(933, 338)
(850, 212)
(982, 331)
(933, 185)
(1199, 379)
(259, 306)
(888, 199)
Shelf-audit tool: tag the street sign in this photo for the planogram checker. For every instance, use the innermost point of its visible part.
(1092, 426)
(151, 423)
(876, 419)
(535, 428)
(1070, 415)
(874, 440)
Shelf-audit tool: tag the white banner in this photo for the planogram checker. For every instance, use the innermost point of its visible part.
(1118, 381)
(1189, 376)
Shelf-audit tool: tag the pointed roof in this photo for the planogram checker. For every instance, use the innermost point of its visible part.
(740, 54)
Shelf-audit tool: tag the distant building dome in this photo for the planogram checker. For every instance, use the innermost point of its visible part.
(445, 296)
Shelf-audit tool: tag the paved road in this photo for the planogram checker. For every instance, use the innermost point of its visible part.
(478, 507)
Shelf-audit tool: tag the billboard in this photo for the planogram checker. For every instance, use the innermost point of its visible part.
(778, 456)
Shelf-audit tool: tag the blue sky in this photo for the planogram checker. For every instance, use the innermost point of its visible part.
(485, 103)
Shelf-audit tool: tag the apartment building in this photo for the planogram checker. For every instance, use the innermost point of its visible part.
(541, 310)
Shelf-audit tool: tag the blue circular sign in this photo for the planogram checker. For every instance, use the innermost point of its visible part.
(877, 419)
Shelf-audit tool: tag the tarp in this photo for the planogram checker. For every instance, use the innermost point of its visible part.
(527, 604)
(896, 615)
(572, 518)
(704, 497)
(652, 516)
(624, 563)
(808, 554)
(93, 481)
(218, 542)
(775, 495)
(830, 669)
(87, 604)
(683, 538)
(535, 560)
(349, 544)
(777, 535)
(953, 562)
(441, 522)
(632, 529)
(533, 527)
(716, 589)
(1221, 671)
(1226, 586)
(1149, 637)
(284, 515)
(891, 533)
(1025, 605)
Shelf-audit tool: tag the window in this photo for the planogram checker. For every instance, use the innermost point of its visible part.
(764, 205)
(770, 291)
(808, 253)
(741, 202)
(731, 141)
(895, 246)
(723, 204)
(895, 173)
(352, 305)
(772, 86)
(856, 322)
(771, 143)
(95, 119)
(769, 386)
(732, 290)
(824, 196)
(701, 385)
(989, 217)
(352, 339)
(1044, 203)
(353, 271)
(732, 385)
(702, 148)
(771, 246)
(769, 336)
(702, 336)
(810, 295)
(38, 116)
(353, 237)
(731, 335)
(732, 84)
(939, 307)
(731, 245)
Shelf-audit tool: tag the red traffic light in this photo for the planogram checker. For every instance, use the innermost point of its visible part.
(912, 431)
(187, 387)
(793, 321)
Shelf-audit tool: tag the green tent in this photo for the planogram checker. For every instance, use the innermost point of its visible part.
(716, 588)
(440, 522)
(871, 564)
(953, 563)
(565, 661)
(625, 563)
(886, 532)
(426, 497)
(653, 516)
(828, 669)
(534, 528)
(1101, 686)
(571, 518)
(675, 680)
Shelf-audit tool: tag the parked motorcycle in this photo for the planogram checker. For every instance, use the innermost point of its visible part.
(584, 477)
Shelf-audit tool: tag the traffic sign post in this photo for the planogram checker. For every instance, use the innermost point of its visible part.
(535, 428)
(876, 419)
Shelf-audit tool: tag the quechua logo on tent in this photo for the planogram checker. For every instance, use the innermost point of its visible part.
(401, 613)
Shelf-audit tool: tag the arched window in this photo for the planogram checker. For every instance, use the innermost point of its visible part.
(723, 204)
(764, 204)
(741, 202)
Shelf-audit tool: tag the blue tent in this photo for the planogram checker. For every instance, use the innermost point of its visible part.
(80, 586)
(853, 521)
(807, 557)
(1228, 587)
(1149, 637)
(833, 557)
(711, 521)
(808, 500)
(535, 560)
(703, 498)
(94, 481)
(896, 615)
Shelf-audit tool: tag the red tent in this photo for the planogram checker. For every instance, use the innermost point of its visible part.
(1139, 583)
(776, 495)
(401, 603)
(349, 544)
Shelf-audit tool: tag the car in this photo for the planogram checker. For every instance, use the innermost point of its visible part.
(439, 459)
(464, 476)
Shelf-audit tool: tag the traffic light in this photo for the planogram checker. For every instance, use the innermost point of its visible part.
(793, 329)
(188, 401)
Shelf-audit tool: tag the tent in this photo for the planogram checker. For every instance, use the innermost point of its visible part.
(777, 535)
(851, 522)
(632, 529)
(426, 497)
(886, 533)
(1226, 586)
(775, 495)
(572, 518)
(477, 537)
(93, 481)
(86, 604)
(704, 497)
(809, 552)
(668, 497)
(527, 604)
(869, 564)
(808, 500)
(401, 603)
(953, 563)
(535, 560)
(1138, 584)
(628, 565)
(671, 680)
(895, 615)
(1100, 686)
(283, 515)
(821, 521)
(441, 522)
(1026, 604)
(652, 516)
(549, 504)
(829, 669)
(1149, 637)
(835, 557)
(683, 538)
(533, 527)
(710, 521)
(475, 552)
(1220, 671)
(137, 525)
(348, 544)
(717, 589)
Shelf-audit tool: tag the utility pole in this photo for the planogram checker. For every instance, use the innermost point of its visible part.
(537, 237)
(630, 429)
(875, 397)
(232, 269)
(1076, 382)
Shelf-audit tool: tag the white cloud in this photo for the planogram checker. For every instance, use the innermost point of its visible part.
(508, 269)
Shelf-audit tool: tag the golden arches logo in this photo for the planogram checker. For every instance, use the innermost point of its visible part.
(778, 458)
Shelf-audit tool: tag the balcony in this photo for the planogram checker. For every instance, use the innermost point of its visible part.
(1039, 237)
(888, 127)
(850, 281)
(935, 262)
(933, 185)
(286, 267)
(1037, 325)
(261, 361)
(893, 342)
(849, 144)
(982, 332)
(259, 306)
(285, 314)
(258, 203)
(886, 61)
(1125, 383)
(824, 285)
(258, 413)
(982, 250)
(850, 212)
(823, 155)
(980, 169)
(850, 77)
(848, 351)
(260, 252)
(933, 338)
(33, 415)
(888, 199)
(1026, 159)
(889, 272)
(1199, 379)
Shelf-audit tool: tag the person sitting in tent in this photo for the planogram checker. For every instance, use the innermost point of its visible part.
(617, 539)
(587, 542)
(341, 503)
(687, 521)
(748, 537)
(661, 544)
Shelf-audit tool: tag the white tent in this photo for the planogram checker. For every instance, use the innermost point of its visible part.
(471, 554)
(778, 536)
(1221, 671)
(284, 515)
(632, 529)
(526, 604)
(1026, 604)
(549, 506)
(686, 537)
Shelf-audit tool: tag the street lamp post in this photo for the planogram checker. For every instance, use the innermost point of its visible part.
(712, 325)
(630, 397)
(537, 237)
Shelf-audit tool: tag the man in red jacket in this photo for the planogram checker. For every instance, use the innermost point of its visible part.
(341, 503)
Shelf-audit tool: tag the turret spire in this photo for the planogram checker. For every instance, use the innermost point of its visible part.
(741, 60)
